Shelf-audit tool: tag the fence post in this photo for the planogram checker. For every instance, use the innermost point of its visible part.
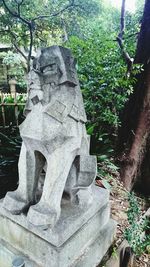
(12, 84)
(3, 109)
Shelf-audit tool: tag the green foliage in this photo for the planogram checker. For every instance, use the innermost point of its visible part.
(138, 226)
(16, 68)
(106, 167)
(48, 29)
(10, 146)
(10, 143)
(91, 28)
(114, 253)
(10, 117)
(102, 75)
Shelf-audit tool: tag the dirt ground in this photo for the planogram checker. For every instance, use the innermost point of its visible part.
(119, 206)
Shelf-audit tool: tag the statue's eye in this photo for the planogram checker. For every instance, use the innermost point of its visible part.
(50, 67)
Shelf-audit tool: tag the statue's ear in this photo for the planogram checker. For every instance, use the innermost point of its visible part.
(35, 65)
(68, 69)
(35, 61)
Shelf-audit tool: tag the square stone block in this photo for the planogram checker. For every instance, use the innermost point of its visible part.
(81, 235)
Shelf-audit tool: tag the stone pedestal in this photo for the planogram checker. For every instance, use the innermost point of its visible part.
(80, 238)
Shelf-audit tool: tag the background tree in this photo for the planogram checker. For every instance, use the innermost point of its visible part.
(102, 73)
(90, 29)
(135, 132)
(30, 24)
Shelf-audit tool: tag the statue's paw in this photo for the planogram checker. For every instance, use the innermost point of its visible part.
(43, 216)
(14, 203)
(82, 197)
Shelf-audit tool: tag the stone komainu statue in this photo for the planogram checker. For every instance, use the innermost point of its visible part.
(54, 137)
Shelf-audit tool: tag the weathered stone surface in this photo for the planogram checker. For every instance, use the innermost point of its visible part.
(96, 251)
(90, 257)
(71, 220)
(66, 244)
(54, 138)
(8, 254)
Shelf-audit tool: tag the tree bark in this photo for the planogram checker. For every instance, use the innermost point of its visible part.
(134, 136)
(125, 54)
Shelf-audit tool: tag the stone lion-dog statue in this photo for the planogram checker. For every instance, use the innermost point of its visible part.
(54, 137)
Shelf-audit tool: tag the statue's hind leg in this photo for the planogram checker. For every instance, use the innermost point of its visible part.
(30, 165)
(82, 175)
(47, 211)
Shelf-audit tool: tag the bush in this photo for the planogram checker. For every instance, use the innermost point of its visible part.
(10, 143)
(105, 88)
(139, 225)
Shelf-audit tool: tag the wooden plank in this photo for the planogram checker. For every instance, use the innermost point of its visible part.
(12, 104)
(16, 107)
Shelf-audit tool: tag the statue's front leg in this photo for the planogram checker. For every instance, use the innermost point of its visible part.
(47, 211)
(29, 168)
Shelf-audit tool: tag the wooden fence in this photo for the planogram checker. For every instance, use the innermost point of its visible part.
(7, 100)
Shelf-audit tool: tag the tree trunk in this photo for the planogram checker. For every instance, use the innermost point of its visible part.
(134, 136)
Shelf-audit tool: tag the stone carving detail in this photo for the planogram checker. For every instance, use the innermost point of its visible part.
(54, 139)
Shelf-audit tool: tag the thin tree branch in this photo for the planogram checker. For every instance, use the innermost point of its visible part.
(20, 2)
(15, 45)
(8, 9)
(31, 46)
(119, 39)
(18, 6)
(38, 35)
(31, 24)
(18, 9)
(65, 35)
(126, 56)
(122, 19)
(131, 35)
(57, 13)
(19, 50)
(16, 15)
(13, 36)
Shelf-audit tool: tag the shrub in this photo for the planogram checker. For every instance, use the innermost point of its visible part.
(136, 234)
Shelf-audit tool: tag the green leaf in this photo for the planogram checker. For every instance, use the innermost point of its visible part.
(90, 130)
(102, 157)
(106, 184)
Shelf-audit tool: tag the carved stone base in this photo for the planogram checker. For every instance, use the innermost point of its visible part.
(80, 238)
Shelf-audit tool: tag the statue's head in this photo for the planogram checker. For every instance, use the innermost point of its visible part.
(56, 64)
